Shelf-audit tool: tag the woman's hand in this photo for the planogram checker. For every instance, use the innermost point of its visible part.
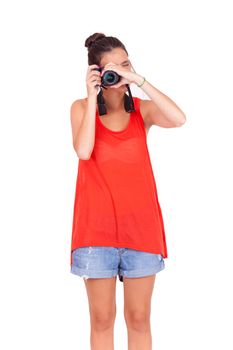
(127, 77)
(93, 80)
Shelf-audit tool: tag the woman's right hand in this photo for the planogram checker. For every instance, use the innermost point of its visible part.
(93, 80)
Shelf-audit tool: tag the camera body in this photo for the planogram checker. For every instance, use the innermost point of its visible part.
(109, 77)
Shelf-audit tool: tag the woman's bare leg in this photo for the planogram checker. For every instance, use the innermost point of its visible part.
(137, 303)
(102, 307)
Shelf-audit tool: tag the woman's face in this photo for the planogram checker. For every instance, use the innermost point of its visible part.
(119, 57)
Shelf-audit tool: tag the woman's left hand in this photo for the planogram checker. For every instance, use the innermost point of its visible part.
(127, 77)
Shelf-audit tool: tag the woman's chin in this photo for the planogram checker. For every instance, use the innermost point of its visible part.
(121, 88)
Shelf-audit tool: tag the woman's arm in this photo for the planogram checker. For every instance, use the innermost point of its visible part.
(161, 110)
(83, 126)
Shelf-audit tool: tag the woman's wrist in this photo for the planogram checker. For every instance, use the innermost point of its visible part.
(139, 80)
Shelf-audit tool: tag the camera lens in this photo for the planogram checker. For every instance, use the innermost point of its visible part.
(110, 78)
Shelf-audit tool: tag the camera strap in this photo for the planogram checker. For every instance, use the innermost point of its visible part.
(128, 102)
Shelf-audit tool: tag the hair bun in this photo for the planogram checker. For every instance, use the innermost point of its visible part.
(93, 38)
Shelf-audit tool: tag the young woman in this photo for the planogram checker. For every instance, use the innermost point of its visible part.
(117, 223)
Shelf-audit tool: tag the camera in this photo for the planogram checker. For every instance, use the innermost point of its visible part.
(109, 77)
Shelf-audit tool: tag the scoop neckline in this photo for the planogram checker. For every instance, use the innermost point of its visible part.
(115, 131)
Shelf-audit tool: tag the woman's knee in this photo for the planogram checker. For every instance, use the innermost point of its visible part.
(137, 320)
(103, 320)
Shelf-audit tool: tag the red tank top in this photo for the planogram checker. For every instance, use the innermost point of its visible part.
(116, 202)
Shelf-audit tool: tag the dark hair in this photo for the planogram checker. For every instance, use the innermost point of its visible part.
(98, 43)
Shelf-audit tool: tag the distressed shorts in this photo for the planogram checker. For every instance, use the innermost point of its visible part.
(105, 262)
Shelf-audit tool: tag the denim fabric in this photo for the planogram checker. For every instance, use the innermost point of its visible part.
(105, 262)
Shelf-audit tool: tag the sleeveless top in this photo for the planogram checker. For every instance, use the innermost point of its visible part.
(116, 202)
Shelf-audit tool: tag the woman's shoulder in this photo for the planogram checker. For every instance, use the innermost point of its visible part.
(80, 101)
(83, 101)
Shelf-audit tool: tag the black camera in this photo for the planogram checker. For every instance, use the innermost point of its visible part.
(109, 77)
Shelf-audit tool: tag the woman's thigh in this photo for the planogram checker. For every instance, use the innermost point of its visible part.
(139, 271)
(137, 297)
(101, 294)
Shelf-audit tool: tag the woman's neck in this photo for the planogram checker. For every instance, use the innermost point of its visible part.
(114, 101)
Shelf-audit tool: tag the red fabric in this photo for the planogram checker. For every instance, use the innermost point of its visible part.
(116, 202)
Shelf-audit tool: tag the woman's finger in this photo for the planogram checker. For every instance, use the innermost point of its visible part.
(93, 66)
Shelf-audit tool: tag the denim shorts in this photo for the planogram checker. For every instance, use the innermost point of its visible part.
(105, 262)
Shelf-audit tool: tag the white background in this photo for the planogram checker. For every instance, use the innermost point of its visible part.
(183, 48)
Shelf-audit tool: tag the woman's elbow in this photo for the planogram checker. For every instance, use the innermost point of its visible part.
(181, 121)
(82, 154)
